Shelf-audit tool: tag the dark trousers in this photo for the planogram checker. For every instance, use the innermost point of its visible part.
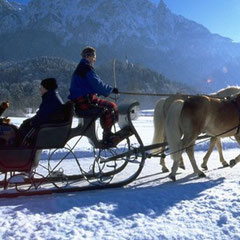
(24, 129)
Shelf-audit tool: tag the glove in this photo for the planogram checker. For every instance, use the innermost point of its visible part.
(4, 105)
(115, 90)
(5, 121)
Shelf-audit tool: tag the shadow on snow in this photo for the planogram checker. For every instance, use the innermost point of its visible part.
(151, 201)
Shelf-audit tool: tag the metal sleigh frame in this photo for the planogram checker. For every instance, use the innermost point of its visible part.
(24, 174)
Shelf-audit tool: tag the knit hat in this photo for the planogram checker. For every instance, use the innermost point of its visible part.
(88, 51)
(49, 83)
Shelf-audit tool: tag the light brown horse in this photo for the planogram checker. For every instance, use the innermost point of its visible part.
(186, 120)
(159, 118)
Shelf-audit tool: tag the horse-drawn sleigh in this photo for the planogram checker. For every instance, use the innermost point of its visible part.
(41, 168)
(23, 172)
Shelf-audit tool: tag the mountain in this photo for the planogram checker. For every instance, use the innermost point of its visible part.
(139, 30)
(20, 1)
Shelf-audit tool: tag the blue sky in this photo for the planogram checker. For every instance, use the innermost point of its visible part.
(219, 16)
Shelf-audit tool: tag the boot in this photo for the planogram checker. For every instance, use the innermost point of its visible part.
(107, 135)
(113, 139)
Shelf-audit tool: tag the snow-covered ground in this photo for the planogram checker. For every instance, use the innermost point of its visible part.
(152, 207)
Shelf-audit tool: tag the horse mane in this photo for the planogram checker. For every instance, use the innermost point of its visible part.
(228, 91)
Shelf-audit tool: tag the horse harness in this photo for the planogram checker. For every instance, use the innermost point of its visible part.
(236, 103)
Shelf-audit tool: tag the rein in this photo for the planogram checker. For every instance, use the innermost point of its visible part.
(166, 94)
(206, 139)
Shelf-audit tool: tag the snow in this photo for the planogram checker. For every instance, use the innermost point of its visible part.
(152, 207)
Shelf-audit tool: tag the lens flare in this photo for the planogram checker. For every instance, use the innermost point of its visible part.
(209, 80)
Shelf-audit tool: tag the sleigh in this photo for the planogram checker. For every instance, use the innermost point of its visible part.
(42, 168)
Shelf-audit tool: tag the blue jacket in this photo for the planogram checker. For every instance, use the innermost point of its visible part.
(51, 103)
(85, 81)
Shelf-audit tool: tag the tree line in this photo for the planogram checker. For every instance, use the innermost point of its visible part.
(20, 81)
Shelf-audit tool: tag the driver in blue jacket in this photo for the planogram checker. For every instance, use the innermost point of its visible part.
(85, 88)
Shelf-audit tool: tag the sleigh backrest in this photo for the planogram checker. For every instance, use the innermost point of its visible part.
(55, 135)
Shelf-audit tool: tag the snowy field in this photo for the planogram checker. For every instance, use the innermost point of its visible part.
(152, 207)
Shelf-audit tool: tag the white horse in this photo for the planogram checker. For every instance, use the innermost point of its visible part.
(159, 118)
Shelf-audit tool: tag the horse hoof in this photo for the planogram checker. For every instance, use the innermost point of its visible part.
(225, 165)
(201, 175)
(182, 167)
(173, 178)
(204, 167)
(164, 170)
(232, 163)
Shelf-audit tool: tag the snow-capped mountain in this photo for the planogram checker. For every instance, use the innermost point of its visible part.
(19, 1)
(138, 30)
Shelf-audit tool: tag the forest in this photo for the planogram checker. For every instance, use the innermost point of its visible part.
(20, 81)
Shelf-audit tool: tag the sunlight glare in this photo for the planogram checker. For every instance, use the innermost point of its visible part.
(209, 80)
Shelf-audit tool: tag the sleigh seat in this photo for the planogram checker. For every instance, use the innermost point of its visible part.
(48, 136)
(89, 113)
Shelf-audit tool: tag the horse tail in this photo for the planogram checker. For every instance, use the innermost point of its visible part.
(159, 123)
(173, 131)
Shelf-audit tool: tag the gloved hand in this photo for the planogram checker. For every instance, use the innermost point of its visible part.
(115, 90)
(5, 121)
(4, 105)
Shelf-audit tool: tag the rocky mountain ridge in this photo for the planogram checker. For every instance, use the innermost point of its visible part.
(137, 30)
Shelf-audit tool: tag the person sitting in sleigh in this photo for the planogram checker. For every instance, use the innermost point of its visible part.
(85, 89)
(50, 111)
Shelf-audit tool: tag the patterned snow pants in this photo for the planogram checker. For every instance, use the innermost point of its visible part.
(109, 115)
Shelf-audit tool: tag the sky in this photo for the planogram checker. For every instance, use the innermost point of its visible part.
(218, 16)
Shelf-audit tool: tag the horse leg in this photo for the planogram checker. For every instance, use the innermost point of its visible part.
(190, 153)
(162, 162)
(176, 164)
(213, 141)
(172, 175)
(188, 143)
(181, 163)
(174, 134)
(233, 162)
(177, 156)
(220, 152)
(159, 132)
